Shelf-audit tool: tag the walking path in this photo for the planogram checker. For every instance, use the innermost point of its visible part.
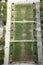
(38, 29)
(23, 41)
(25, 21)
(7, 35)
(24, 64)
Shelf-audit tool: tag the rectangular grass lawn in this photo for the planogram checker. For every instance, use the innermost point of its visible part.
(30, 53)
(23, 12)
(23, 31)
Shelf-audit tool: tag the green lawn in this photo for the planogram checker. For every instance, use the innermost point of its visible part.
(15, 49)
(19, 27)
(30, 51)
(18, 31)
(28, 15)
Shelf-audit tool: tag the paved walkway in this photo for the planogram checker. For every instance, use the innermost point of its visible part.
(23, 64)
(7, 35)
(25, 21)
(23, 1)
(38, 29)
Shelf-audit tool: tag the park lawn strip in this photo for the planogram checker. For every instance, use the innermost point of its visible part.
(28, 50)
(18, 31)
(35, 53)
(29, 13)
(28, 31)
(16, 50)
(18, 13)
